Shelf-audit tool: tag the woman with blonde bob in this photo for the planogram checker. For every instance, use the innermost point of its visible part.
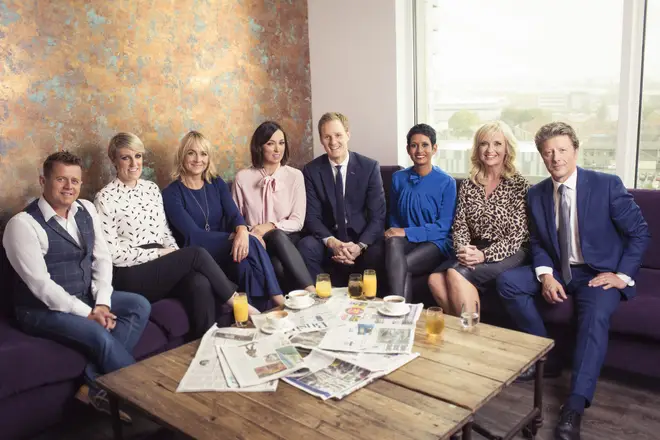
(145, 256)
(200, 208)
(489, 232)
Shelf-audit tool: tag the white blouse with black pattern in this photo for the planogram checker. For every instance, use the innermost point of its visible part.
(130, 218)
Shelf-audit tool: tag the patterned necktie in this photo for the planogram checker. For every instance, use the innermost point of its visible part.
(565, 233)
(341, 209)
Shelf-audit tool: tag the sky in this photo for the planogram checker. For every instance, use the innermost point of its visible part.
(533, 43)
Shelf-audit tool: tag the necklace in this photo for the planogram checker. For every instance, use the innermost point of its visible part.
(207, 228)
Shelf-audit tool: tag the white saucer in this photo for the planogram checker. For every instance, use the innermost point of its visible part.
(269, 330)
(386, 313)
(309, 303)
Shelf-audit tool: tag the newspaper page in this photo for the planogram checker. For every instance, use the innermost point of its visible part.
(367, 312)
(376, 362)
(328, 376)
(308, 340)
(262, 360)
(321, 316)
(369, 338)
(230, 336)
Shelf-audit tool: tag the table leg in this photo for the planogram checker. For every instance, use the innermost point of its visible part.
(116, 419)
(467, 431)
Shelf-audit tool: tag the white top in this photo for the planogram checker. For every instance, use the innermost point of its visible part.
(575, 256)
(26, 244)
(131, 217)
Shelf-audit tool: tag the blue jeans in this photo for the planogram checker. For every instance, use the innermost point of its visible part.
(106, 350)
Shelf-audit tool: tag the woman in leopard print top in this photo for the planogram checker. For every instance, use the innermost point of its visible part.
(489, 232)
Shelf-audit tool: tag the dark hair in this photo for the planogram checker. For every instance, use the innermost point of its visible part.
(554, 129)
(64, 157)
(424, 129)
(261, 136)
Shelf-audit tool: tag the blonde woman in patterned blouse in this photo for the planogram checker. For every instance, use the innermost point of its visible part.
(145, 255)
(489, 232)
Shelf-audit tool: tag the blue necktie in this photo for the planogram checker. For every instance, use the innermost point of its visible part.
(341, 209)
(565, 234)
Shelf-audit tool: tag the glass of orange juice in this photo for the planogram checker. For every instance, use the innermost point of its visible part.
(435, 321)
(369, 284)
(241, 309)
(323, 285)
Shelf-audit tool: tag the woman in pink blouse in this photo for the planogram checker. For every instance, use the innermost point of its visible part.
(271, 197)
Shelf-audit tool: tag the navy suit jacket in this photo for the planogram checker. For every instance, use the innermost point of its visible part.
(364, 198)
(613, 232)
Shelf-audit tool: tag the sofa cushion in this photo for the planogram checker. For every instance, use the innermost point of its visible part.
(28, 362)
(170, 316)
(152, 341)
(637, 317)
(649, 202)
(648, 282)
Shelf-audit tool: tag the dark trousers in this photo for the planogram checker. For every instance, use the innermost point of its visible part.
(318, 259)
(190, 274)
(287, 261)
(107, 351)
(520, 291)
(404, 259)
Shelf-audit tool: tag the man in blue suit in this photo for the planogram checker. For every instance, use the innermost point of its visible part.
(587, 239)
(345, 204)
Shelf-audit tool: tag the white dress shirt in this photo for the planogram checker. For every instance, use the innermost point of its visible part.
(575, 256)
(26, 244)
(344, 170)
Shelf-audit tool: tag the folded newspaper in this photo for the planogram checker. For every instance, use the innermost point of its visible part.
(370, 338)
(328, 376)
(206, 372)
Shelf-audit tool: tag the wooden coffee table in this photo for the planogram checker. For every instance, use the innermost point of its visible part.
(432, 397)
(469, 368)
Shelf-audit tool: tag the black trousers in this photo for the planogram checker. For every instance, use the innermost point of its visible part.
(404, 259)
(288, 263)
(190, 274)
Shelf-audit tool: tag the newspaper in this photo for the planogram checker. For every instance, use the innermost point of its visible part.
(262, 360)
(367, 312)
(320, 316)
(205, 372)
(308, 340)
(329, 376)
(369, 338)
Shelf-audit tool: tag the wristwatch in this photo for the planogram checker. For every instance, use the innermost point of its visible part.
(363, 247)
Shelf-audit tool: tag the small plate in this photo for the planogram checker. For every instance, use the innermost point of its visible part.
(386, 313)
(269, 330)
(310, 303)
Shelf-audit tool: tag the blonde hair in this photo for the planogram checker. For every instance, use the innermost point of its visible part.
(477, 175)
(124, 140)
(193, 139)
(333, 116)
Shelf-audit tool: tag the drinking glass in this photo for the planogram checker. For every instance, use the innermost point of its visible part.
(435, 321)
(369, 284)
(355, 285)
(241, 309)
(323, 285)
(469, 319)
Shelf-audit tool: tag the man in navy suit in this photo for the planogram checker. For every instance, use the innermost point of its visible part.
(345, 204)
(587, 239)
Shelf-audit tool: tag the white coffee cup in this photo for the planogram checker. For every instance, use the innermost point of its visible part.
(394, 304)
(278, 319)
(298, 298)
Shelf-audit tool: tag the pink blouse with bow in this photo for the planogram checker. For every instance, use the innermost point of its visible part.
(279, 198)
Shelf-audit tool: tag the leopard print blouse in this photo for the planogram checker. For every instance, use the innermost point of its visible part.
(501, 219)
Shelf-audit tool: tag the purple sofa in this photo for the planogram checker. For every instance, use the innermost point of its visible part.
(39, 377)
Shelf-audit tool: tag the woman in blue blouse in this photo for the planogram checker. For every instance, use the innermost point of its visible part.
(422, 204)
(201, 211)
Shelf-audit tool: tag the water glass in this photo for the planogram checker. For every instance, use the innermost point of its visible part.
(469, 318)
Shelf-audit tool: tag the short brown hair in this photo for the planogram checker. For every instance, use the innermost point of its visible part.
(65, 157)
(333, 116)
(554, 129)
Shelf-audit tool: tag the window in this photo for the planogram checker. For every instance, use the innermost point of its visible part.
(648, 159)
(529, 63)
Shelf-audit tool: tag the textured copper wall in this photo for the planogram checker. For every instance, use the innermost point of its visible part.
(73, 73)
